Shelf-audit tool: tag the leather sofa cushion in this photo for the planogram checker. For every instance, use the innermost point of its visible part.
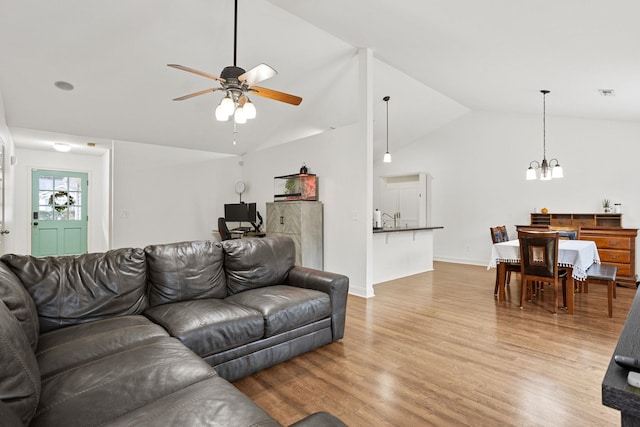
(19, 375)
(254, 263)
(8, 417)
(68, 290)
(115, 385)
(210, 403)
(209, 326)
(285, 307)
(185, 271)
(19, 302)
(78, 344)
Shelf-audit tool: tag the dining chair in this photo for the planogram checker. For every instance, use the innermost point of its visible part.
(498, 235)
(539, 263)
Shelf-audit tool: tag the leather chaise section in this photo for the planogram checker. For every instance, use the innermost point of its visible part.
(117, 384)
(20, 303)
(19, 375)
(225, 406)
(74, 345)
(68, 290)
(209, 326)
(285, 307)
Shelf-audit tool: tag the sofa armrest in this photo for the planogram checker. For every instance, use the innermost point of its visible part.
(336, 285)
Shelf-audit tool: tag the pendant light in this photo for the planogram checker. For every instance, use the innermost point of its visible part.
(548, 170)
(387, 156)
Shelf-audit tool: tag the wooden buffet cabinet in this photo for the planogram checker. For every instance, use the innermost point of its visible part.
(616, 245)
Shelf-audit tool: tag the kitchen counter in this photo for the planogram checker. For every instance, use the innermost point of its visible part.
(398, 229)
(402, 251)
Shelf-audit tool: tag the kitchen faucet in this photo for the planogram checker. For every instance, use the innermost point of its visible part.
(395, 217)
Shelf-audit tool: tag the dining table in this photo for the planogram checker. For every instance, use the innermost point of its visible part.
(574, 255)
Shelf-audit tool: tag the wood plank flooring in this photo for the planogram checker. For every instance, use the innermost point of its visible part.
(436, 349)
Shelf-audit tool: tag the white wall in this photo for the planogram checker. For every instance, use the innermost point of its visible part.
(7, 240)
(49, 160)
(164, 194)
(337, 159)
(479, 161)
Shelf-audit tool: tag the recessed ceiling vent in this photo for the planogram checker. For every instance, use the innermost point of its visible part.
(607, 92)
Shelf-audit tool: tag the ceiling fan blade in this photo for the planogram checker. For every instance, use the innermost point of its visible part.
(257, 74)
(194, 71)
(278, 96)
(191, 95)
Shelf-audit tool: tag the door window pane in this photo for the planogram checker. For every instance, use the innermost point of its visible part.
(60, 198)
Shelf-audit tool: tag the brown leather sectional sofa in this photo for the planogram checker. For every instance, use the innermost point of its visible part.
(152, 337)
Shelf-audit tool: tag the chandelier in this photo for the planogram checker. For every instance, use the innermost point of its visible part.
(548, 170)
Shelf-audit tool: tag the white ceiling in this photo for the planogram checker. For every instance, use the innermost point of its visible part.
(436, 59)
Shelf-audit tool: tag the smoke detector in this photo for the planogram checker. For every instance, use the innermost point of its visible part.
(607, 92)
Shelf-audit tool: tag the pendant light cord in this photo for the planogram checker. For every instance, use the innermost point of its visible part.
(386, 99)
(544, 124)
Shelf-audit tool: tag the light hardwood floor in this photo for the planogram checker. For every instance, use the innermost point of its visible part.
(437, 349)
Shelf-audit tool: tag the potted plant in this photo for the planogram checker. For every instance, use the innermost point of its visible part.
(606, 204)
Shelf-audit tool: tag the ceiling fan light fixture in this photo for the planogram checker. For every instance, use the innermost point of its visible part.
(240, 117)
(227, 105)
(249, 109)
(221, 115)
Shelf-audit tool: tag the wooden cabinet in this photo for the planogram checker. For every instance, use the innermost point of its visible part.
(406, 197)
(577, 220)
(302, 222)
(616, 246)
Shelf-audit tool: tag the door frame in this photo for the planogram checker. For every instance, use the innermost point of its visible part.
(29, 181)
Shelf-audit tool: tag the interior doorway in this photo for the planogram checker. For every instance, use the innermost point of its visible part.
(58, 213)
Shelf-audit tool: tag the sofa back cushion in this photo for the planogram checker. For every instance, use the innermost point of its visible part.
(68, 290)
(19, 302)
(185, 271)
(257, 262)
(19, 375)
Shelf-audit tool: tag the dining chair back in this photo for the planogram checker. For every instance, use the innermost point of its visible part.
(498, 235)
(539, 262)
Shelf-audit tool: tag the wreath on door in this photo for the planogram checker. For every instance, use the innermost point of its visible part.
(60, 200)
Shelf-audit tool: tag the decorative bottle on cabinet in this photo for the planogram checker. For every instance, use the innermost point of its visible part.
(302, 222)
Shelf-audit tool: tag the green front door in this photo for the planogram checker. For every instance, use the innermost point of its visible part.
(59, 213)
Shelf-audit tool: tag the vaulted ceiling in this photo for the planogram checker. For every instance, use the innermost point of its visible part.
(437, 60)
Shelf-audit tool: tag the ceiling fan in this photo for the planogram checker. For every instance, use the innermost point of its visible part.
(238, 84)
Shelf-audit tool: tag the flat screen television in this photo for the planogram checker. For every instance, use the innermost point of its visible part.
(240, 212)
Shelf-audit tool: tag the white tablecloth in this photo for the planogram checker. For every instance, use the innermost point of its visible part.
(578, 254)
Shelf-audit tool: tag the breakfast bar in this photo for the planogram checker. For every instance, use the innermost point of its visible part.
(402, 251)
